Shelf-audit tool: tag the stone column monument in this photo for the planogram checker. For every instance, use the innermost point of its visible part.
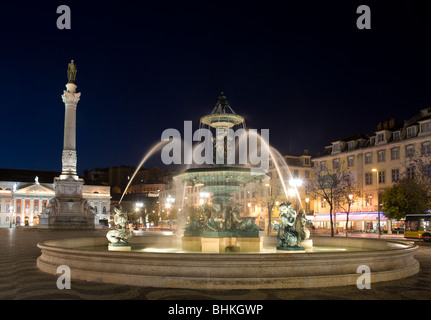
(69, 210)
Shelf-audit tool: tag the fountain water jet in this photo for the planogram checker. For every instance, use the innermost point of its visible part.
(144, 159)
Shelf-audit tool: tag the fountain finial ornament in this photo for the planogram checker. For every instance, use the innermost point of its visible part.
(71, 72)
(222, 101)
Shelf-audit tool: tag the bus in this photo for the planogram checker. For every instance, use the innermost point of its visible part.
(418, 226)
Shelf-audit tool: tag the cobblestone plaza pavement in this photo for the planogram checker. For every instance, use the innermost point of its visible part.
(20, 279)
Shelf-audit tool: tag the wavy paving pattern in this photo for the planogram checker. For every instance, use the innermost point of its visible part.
(21, 280)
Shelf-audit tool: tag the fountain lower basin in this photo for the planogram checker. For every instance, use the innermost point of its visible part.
(158, 261)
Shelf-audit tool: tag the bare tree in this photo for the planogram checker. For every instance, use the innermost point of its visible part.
(333, 185)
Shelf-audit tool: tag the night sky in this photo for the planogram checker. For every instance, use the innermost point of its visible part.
(303, 71)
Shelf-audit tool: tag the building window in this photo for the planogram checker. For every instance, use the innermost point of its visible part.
(351, 161)
(307, 174)
(104, 210)
(426, 148)
(410, 173)
(336, 147)
(410, 150)
(322, 165)
(395, 175)
(372, 141)
(18, 206)
(350, 145)
(381, 156)
(382, 177)
(425, 127)
(411, 132)
(295, 173)
(335, 163)
(396, 135)
(368, 178)
(368, 158)
(395, 153)
(380, 137)
(323, 203)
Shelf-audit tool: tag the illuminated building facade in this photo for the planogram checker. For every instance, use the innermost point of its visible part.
(377, 161)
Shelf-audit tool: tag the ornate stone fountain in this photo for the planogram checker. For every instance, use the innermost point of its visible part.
(222, 227)
(331, 261)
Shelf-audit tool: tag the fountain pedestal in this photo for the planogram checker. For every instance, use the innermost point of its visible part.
(119, 247)
(192, 244)
(221, 242)
(218, 245)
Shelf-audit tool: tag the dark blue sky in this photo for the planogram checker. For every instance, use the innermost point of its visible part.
(304, 71)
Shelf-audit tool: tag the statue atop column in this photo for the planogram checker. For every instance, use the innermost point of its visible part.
(71, 72)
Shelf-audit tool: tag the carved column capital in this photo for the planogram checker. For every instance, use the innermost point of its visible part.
(70, 98)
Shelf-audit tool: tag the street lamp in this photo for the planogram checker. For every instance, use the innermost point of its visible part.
(138, 207)
(307, 208)
(378, 198)
(169, 201)
(269, 208)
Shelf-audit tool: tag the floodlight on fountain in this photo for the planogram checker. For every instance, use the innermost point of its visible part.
(295, 182)
(204, 194)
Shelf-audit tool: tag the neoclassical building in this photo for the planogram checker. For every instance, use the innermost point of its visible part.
(377, 161)
(25, 194)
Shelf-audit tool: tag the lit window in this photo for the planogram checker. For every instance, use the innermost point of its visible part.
(368, 178)
(411, 132)
(368, 158)
(335, 163)
(395, 153)
(395, 175)
(426, 148)
(410, 150)
(381, 156)
(425, 127)
(396, 135)
(381, 177)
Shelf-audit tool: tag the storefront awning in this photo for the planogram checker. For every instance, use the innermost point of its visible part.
(353, 216)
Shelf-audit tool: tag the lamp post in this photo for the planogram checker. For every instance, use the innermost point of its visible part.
(378, 198)
(348, 211)
(138, 207)
(169, 201)
(269, 208)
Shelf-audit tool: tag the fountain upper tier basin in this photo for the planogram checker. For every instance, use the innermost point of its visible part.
(387, 260)
(222, 179)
